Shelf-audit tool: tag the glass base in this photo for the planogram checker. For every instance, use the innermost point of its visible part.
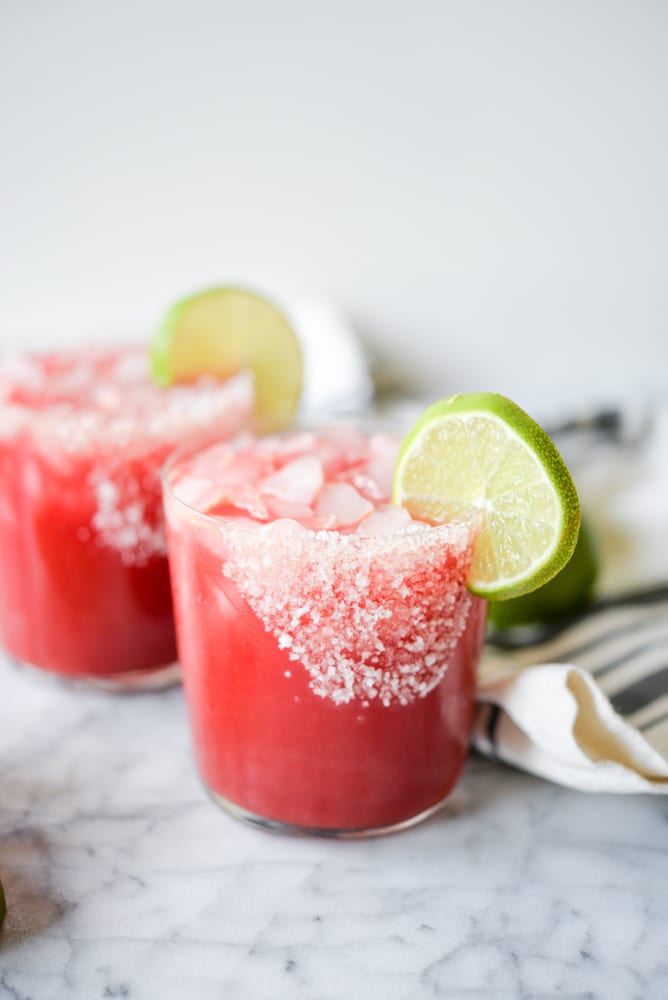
(292, 829)
(155, 679)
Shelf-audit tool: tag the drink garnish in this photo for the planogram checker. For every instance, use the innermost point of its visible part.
(480, 456)
(222, 331)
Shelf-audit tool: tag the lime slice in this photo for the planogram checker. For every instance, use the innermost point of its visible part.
(567, 593)
(481, 455)
(222, 331)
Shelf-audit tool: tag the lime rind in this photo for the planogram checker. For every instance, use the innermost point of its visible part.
(222, 330)
(481, 452)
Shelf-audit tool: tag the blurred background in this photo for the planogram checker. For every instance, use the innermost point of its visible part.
(479, 188)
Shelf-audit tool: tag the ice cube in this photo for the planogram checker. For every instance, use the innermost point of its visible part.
(284, 526)
(385, 522)
(278, 508)
(380, 467)
(221, 504)
(320, 523)
(233, 477)
(249, 500)
(296, 482)
(342, 501)
(340, 447)
(367, 486)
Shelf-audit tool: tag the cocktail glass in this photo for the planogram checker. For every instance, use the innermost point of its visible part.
(328, 642)
(84, 583)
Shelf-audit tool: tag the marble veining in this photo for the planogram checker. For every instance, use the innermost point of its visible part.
(124, 880)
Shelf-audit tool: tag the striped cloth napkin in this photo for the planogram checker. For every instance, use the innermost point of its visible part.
(585, 704)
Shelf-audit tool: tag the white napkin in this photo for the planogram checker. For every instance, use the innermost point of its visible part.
(587, 707)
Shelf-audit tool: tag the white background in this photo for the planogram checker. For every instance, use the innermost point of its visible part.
(481, 186)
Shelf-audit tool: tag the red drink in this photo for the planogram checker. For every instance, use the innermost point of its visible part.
(84, 583)
(328, 643)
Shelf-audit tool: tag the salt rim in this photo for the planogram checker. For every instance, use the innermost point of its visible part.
(129, 411)
(368, 617)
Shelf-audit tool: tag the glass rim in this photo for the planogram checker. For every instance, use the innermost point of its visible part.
(375, 423)
(203, 442)
(145, 412)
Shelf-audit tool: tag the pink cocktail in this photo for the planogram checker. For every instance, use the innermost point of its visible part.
(328, 642)
(84, 583)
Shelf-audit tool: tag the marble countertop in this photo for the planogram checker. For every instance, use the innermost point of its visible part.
(124, 880)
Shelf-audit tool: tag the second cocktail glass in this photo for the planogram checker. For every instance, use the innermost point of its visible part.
(84, 583)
